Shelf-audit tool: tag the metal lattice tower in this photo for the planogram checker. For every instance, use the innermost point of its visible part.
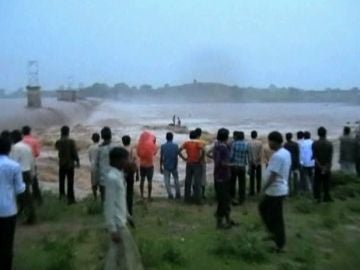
(33, 73)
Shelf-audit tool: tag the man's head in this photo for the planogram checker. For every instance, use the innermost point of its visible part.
(5, 146)
(95, 137)
(307, 135)
(300, 135)
(126, 140)
(223, 135)
(169, 136)
(288, 136)
(65, 131)
(16, 136)
(6, 134)
(239, 136)
(347, 130)
(275, 140)
(106, 134)
(198, 132)
(26, 130)
(119, 157)
(254, 134)
(193, 135)
(322, 132)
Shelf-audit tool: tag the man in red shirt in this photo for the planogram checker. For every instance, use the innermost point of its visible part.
(34, 144)
(194, 155)
(146, 151)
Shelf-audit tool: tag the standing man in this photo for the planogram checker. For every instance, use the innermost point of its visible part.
(146, 151)
(169, 165)
(348, 149)
(68, 159)
(239, 159)
(93, 152)
(294, 150)
(123, 252)
(11, 185)
(36, 148)
(221, 156)
(255, 159)
(194, 155)
(323, 154)
(275, 190)
(131, 171)
(103, 163)
(308, 162)
(21, 153)
(203, 163)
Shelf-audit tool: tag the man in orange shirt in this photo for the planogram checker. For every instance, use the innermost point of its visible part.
(146, 151)
(34, 144)
(195, 154)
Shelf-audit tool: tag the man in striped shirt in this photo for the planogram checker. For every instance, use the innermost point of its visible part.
(239, 156)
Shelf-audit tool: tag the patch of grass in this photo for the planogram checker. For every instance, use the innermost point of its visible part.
(353, 206)
(304, 206)
(52, 208)
(150, 253)
(93, 207)
(172, 254)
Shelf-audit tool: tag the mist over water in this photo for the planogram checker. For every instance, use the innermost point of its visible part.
(264, 117)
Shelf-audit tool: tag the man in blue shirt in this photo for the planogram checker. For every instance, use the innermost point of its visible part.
(11, 185)
(169, 164)
(239, 157)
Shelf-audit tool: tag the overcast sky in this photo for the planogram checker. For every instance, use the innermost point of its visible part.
(302, 43)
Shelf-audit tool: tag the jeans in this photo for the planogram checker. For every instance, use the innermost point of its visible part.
(271, 212)
(322, 182)
(167, 176)
(255, 172)
(7, 233)
(67, 173)
(238, 174)
(130, 191)
(306, 178)
(28, 206)
(294, 181)
(193, 177)
(223, 198)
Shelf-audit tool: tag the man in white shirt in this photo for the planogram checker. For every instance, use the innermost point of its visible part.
(11, 185)
(22, 154)
(123, 253)
(308, 163)
(275, 190)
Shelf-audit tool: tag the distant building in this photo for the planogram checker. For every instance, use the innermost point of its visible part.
(67, 95)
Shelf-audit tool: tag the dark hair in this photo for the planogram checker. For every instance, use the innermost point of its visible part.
(118, 153)
(6, 134)
(198, 132)
(193, 134)
(169, 136)
(106, 134)
(26, 130)
(223, 135)
(300, 135)
(254, 134)
(126, 140)
(16, 136)
(95, 137)
(276, 137)
(65, 131)
(288, 136)
(347, 130)
(239, 135)
(5, 146)
(307, 135)
(322, 132)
